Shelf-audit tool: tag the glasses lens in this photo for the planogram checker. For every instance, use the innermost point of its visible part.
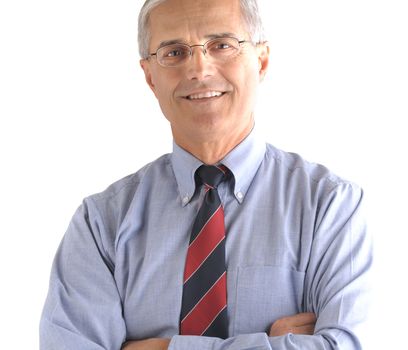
(223, 48)
(173, 55)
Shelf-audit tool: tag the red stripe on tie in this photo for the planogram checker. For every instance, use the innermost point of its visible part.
(207, 309)
(222, 167)
(204, 244)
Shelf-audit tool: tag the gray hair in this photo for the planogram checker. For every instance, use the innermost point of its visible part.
(249, 9)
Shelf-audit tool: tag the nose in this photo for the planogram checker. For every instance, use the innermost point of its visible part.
(199, 66)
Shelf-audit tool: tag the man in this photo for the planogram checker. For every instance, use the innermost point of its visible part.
(227, 243)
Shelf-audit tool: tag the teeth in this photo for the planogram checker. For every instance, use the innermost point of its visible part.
(204, 95)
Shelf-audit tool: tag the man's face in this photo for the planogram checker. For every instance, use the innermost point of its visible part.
(203, 118)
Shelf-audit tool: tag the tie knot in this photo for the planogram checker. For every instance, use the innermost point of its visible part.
(212, 175)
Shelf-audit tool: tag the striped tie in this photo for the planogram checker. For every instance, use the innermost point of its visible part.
(204, 304)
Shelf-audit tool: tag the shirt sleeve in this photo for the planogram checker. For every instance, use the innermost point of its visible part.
(337, 285)
(83, 308)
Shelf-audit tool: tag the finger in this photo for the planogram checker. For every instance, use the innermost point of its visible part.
(287, 325)
(301, 319)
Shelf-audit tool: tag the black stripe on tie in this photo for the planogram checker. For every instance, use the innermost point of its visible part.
(219, 326)
(203, 279)
(205, 213)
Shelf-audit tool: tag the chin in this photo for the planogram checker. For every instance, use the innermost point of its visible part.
(209, 121)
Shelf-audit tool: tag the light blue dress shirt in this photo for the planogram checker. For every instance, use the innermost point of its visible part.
(296, 242)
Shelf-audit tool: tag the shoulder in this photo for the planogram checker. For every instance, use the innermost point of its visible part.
(116, 199)
(129, 184)
(105, 212)
(294, 169)
(102, 214)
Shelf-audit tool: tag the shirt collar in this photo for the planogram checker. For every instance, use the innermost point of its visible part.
(243, 161)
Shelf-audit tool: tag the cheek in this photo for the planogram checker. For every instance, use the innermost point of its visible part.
(246, 81)
(164, 94)
(164, 84)
(245, 73)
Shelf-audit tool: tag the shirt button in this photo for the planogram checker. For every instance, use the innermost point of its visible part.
(240, 195)
(185, 200)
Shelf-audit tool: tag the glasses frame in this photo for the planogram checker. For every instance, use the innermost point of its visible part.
(204, 49)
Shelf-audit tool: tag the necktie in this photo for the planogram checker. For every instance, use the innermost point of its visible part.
(204, 303)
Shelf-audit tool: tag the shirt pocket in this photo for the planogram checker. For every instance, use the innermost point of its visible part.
(265, 294)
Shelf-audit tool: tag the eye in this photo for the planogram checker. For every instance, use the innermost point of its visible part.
(173, 51)
(222, 45)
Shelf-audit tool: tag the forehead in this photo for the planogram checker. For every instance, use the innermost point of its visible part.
(189, 20)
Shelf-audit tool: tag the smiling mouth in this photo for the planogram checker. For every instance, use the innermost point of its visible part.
(204, 95)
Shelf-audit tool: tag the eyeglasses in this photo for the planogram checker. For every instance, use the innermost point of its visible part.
(219, 49)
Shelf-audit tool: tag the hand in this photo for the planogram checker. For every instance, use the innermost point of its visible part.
(147, 344)
(303, 323)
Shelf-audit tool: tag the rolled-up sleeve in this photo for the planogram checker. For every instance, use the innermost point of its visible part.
(83, 308)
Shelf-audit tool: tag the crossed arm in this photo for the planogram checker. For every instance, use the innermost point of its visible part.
(302, 323)
(76, 315)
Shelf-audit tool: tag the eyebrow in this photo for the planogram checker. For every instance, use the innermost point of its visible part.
(209, 37)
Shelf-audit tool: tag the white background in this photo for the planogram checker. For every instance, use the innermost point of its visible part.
(76, 115)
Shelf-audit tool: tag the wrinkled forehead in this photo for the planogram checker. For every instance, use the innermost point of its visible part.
(189, 21)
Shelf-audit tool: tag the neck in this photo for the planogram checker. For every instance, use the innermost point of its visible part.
(212, 151)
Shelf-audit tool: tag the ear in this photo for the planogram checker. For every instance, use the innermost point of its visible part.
(147, 69)
(263, 59)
